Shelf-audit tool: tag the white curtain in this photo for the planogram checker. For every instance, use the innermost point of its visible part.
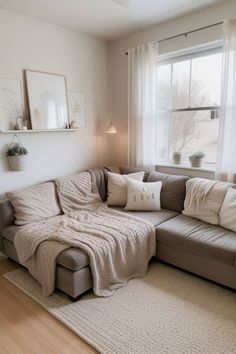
(141, 105)
(226, 157)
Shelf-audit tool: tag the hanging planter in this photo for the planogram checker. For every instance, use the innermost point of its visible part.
(16, 155)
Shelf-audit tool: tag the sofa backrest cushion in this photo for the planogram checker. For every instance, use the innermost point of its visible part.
(34, 203)
(173, 190)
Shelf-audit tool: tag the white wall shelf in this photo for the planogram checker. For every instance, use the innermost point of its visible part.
(36, 131)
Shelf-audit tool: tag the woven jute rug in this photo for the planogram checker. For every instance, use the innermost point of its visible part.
(168, 311)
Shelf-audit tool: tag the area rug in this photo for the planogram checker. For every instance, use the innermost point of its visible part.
(168, 311)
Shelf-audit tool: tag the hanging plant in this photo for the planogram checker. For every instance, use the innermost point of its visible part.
(16, 155)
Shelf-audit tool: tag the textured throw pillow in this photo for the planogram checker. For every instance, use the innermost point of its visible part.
(204, 199)
(34, 203)
(227, 217)
(117, 187)
(143, 195)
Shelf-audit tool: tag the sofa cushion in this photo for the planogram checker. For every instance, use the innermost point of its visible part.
(227, 216)
(199, 238)
(71, 258)
(143, 196)
(34, 203)
(204, 199)
(173, 190)
(154, 217)
(117, 187)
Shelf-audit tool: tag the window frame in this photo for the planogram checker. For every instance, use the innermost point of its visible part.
(183, 55)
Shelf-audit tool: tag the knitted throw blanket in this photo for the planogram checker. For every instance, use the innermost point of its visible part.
(204, 199)
(119, 246)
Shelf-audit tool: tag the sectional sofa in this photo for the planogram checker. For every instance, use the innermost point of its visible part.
(190, 244)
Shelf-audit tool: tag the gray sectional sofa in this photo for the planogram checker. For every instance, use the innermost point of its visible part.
(190, 244)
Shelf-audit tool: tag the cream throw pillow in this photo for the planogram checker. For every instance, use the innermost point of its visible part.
(34, 203)
(117, 187)
(227, 217)
(143, 195)
(204, 199)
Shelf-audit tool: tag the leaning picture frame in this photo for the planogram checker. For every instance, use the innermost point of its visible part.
(47, 99)
(77, 110)
(11, 103)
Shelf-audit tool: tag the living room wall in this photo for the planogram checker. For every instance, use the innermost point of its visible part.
(26, 43)
(118, 61)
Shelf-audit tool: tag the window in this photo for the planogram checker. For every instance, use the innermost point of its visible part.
(188, 103)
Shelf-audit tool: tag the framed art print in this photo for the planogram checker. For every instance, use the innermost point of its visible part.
(77, 109)
(11, 106)
(47, 96)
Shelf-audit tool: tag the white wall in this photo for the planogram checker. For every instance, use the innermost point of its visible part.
(29, 44)
(118, 59)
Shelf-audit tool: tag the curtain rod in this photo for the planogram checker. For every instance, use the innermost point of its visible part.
(186, 33)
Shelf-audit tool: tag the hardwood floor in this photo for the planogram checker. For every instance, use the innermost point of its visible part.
(27, 328)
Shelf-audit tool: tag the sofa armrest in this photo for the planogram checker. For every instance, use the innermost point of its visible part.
(6, 218)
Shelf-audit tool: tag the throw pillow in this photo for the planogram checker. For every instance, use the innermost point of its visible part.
(117, 187)
(34, 203)
(204, 199)
(227, 217)
(143, 195)
(173, 190)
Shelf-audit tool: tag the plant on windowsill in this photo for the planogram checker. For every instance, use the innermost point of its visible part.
(177, 157)
(16, 156)
(196, 159)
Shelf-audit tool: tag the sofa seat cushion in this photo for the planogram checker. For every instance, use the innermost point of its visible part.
(199, 238)
(154, 217)
(71, 258)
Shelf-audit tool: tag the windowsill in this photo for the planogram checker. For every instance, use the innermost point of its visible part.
(204, 168)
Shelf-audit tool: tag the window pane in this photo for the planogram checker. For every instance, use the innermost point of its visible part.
(180, 84)
(163, 86)
(162, 135)
(194, 131)
(206, 81)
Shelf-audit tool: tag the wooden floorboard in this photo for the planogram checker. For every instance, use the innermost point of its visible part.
(27, 328)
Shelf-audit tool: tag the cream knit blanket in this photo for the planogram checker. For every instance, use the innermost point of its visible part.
(119, 246)
(204, 199)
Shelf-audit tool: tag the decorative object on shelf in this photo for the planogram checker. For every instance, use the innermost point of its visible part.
(73, 125)
(47, 95)
(11, 106)
(111, 129)
(19, 124)
(77, 109)
(196, 159)
(16, 155)
(177, 157)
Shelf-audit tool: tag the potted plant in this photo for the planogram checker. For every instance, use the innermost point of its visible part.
(16, 156)
(177, 157)
(196, 159)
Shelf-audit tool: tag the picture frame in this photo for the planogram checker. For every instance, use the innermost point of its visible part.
(77, 110)
(47, 98)
(11, 103)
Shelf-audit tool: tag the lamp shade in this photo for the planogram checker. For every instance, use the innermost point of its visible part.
(111, 129)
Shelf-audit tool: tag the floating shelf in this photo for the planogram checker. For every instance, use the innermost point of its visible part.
(36, 131)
